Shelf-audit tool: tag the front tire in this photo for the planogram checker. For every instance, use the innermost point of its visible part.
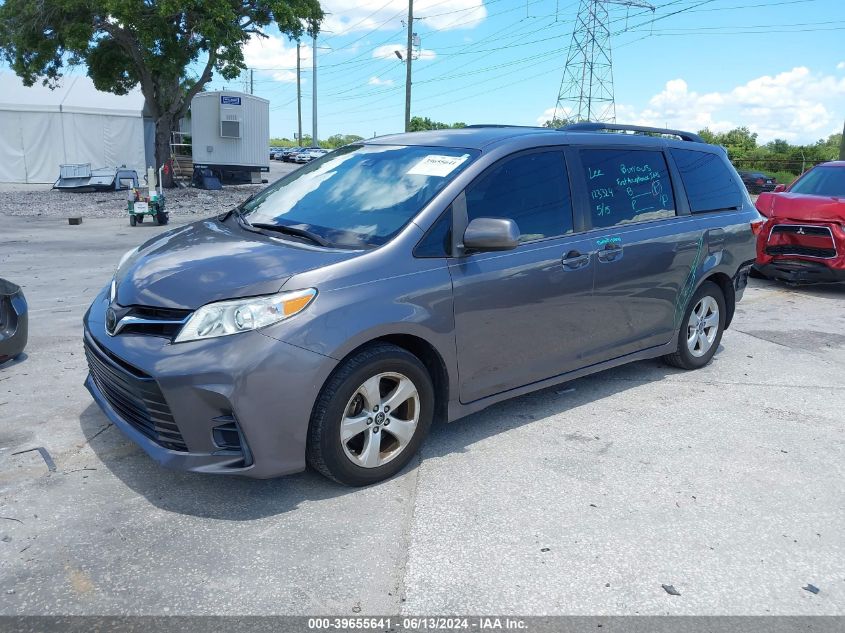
(701, 328)
(371, 416)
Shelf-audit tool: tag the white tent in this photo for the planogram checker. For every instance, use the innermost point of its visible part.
(41, 129)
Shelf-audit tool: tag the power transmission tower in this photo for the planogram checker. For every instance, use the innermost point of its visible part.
(586, 90)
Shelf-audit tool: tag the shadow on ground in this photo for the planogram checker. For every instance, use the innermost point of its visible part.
(243, 499)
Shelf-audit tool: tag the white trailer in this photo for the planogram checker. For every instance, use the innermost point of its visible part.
(230, 133)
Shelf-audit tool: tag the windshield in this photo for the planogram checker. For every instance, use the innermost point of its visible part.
(822, 181)
(360, 195)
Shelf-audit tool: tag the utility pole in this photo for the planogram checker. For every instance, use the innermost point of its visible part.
(314, 92)
(842, 144)
(409, 57)
(298, 96)
(251, 81)
(586, 90)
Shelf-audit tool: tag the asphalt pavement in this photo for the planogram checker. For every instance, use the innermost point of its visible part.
(725, 483)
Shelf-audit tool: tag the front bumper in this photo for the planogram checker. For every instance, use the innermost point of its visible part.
(799, 271)
(169, 398)
(14, 321)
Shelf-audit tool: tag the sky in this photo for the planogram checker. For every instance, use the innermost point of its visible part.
(776, 66)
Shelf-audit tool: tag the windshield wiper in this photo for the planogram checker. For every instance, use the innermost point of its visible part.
(238, 210)
(293, 230)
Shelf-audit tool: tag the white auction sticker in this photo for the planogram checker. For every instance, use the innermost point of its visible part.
(437, 165)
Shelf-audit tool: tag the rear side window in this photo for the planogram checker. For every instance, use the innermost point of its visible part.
(709, 183)
(530, 189)
(626, 186)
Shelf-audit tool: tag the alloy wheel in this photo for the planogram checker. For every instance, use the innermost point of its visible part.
(703, 326)
(380, 419)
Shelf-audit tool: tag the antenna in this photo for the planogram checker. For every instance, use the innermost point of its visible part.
(586, 90)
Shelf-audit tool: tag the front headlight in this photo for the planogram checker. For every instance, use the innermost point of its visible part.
(242, 315)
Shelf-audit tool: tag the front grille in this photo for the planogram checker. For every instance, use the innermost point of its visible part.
(801, 229)
(134, 396)
(164, 322)
(806, 251)
(802, 240)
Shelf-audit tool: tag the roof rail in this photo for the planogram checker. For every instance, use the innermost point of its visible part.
(505, 125)
(590, 126)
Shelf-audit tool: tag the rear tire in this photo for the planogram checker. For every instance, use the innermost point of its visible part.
(132, 219)
(353, 438)
(701, 328)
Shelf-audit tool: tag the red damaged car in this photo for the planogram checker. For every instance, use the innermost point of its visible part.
(803, 238)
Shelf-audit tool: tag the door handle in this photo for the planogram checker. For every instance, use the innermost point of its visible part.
(610, 253)
(574, 260)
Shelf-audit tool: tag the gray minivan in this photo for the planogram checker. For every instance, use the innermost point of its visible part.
(332, 317)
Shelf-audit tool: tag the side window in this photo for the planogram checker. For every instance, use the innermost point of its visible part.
(709, 183)
(437, 242)
(530, 189)
(627, 186)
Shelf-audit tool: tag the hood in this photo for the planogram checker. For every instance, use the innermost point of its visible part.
(802, 207)
(211, 261)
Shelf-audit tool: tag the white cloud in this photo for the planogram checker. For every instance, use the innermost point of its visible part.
(388, 51)
(375, 81)
(275, 57)
(841, 65)
(352, 16)
(797, 105)
(550, 113)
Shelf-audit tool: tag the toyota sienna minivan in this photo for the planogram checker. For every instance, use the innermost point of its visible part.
(332, 317)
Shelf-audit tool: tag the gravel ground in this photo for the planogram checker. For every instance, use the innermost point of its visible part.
(112, 204)
(39, 200)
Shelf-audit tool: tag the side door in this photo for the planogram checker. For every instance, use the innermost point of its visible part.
(520, 314)
(647, 247)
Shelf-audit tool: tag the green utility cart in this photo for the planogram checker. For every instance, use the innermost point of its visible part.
(152, 206)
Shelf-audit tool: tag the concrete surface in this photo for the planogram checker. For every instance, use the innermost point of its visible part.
(583, 499)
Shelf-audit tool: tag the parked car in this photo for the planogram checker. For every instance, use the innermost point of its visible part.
(306, 156)
(276, 152)
(333, 316)
(14, 321)
(803, 239)
(757, 182)
(290, 153)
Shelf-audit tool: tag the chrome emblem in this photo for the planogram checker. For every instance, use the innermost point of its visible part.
(800, 230)
(111, 321)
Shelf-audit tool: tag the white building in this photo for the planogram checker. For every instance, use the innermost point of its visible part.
(41, 129)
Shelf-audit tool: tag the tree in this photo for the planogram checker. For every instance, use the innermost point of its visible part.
(154, 44)
(557, 122)
(420, 124)
(339, 140)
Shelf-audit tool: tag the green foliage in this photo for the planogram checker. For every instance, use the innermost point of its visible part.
(557, 122)
(777, 157)
(333, 142)
(151, 43)
(421, 124)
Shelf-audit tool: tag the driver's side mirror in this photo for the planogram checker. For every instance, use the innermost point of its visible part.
(779, 188)
(491, 234)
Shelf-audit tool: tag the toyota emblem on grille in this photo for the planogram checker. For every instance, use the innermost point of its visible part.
(111, 321)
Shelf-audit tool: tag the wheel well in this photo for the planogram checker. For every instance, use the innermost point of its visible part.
(726, 284)
(433, 362)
